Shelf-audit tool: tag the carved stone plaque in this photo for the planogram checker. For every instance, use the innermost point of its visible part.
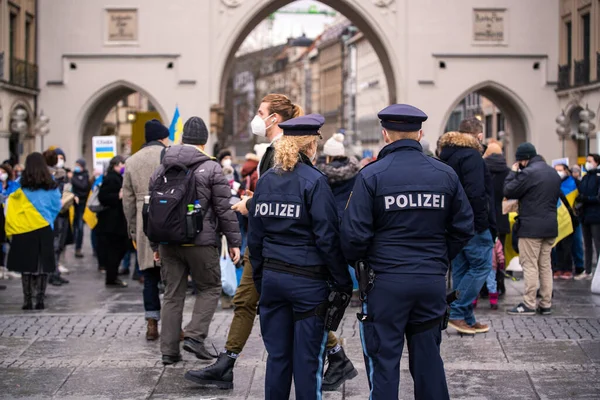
(122, 25)
(489, 25)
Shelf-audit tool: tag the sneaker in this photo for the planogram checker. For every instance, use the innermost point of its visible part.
(62, 269)
(12, 275)
(567, 276)
(461, 326)
(521, 309)
(544, 310)
(583, 276)
(55, 280)
(557, 275)
(117, 284)
(78, 254)
(480, 328)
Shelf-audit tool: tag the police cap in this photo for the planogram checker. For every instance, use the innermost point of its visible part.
(402, 118)
(305, 125)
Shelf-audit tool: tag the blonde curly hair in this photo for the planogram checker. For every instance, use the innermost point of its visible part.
(288, 148)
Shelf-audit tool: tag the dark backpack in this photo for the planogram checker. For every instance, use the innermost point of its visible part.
(167, 211)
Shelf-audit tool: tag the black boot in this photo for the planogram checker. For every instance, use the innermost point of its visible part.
(26, 281)
(339, 371)
(219, 374)
(500, 283)
(42, 282)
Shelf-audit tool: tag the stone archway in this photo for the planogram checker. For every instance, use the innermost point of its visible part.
(366, 16)
(514, 109)
(98, 106)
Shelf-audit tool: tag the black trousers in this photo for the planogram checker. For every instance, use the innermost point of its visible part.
(111, 250)
(564, 257)
(591, 234)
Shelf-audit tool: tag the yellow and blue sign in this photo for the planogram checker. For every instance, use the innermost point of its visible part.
(103, 149)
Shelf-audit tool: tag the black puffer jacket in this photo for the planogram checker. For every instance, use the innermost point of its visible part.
(81, 185)
(212, 190)
(589, 197)
(463, 153)
(341, 174)
(537, 187)
(496, 164)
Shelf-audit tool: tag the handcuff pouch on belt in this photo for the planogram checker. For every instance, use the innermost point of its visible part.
(331, 311)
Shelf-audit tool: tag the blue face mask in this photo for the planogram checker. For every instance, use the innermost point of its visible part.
(77, 169)
(122, 170)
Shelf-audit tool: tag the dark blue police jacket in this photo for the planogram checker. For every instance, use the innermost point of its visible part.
(407, 214)
(293, 219)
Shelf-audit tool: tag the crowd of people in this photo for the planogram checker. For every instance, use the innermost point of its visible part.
(309, 232)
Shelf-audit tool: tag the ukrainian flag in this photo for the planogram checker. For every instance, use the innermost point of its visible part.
(176, 127)
(569, 189)
(565, 228)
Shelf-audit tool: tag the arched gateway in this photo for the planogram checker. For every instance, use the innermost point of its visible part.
(180, 53)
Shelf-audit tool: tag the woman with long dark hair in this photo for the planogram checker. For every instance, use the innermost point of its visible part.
(113, 240)
(30, 214)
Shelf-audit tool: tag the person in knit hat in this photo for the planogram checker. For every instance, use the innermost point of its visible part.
(341, 173)
(138, 171)
(200, 259)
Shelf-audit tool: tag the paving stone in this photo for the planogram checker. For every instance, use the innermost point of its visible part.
(591, 349)
(76, 348)
(13, 346)
(566, 385)
(31, 383)
(110, 383)
(173, 382)
(548, 351)
(489, 385)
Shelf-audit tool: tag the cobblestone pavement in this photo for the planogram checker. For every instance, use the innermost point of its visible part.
(89, 344)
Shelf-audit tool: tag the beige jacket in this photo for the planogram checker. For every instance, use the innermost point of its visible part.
(138, 170)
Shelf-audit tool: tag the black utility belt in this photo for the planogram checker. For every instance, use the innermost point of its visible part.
(319, 272)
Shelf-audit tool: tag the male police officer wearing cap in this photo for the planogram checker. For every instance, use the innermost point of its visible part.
(406, 218)
(296, 260)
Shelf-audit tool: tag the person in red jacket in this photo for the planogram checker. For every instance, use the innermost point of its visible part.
(250, 171)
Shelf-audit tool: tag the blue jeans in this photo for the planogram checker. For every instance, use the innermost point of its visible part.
(577, 249)
(491, 283)
(127, 261)
(78, 225)
(151, 294)
(470, 269)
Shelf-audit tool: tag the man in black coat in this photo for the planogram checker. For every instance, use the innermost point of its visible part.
(537, 187)
(463, 152)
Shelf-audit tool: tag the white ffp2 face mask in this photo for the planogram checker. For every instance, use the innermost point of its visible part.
(259, 127)
(60, 163)
(3, 177)
(226, 163)
(562, 174)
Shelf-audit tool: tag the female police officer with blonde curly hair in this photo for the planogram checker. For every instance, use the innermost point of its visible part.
(296, 260)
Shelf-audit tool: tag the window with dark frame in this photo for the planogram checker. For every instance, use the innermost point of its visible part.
(569, 33)
(12, 36)
(585, 19)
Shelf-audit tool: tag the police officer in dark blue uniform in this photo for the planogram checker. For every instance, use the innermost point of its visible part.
(407, 217)
(296, 260)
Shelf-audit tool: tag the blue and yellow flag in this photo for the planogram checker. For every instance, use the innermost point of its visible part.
(565, 228)
(27, 211)
(569, 189)
(176, 127)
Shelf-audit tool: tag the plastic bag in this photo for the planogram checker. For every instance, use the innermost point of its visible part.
(228, 277)
(94, 202)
